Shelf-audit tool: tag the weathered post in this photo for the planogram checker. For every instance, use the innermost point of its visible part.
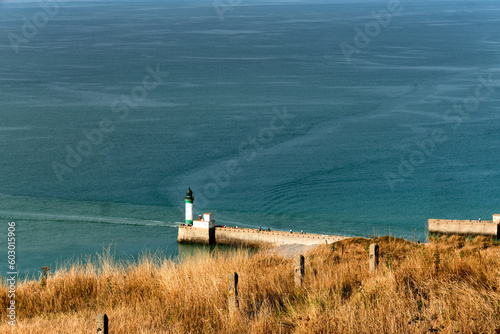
(299, 269)
(102, 323)
(373, 257)
(233, 292)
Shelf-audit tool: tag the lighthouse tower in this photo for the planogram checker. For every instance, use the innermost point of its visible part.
(189, 206)
(197, 231)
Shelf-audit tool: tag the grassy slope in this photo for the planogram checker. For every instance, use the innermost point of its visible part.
(450, 286)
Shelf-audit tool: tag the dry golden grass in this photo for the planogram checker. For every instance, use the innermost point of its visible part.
(446, 286)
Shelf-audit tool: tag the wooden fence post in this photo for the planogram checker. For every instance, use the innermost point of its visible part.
(102, 323)
(374, 252)
(299, 269)
(233, 292)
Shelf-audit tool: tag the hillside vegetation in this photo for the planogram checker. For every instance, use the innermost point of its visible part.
(450, 285)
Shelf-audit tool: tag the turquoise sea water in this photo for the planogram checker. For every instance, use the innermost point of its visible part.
(109, 110)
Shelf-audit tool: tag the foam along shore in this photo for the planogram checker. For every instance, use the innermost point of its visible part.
(248, 237)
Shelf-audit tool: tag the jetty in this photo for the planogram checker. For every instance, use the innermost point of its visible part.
(489, 228)
(204, 231)
(248, 237)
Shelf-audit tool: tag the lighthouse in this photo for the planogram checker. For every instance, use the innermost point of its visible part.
(189, 206)
(201, 230)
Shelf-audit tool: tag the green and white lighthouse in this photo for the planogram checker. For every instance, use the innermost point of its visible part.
(189, 206)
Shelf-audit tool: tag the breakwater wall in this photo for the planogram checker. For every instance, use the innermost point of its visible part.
(196, 235)
(250, 237)
(490, 228)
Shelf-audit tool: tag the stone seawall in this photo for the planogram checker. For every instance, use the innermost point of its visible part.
(254, 237)
(250, 237)
(193, 235)
(464, 227)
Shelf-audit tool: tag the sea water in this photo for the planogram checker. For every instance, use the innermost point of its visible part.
(352, 118)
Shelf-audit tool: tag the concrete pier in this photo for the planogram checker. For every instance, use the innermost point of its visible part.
(490, 228)
(196, 235)
(250, 237)
(204, 231)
